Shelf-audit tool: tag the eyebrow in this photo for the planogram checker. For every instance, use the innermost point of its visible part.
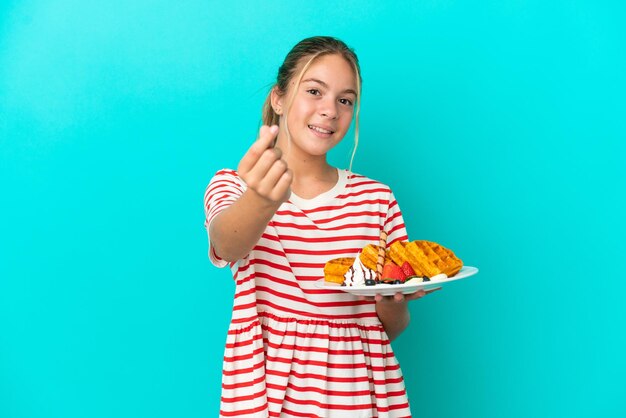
(326, 85)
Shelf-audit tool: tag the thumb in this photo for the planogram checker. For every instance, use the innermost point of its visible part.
(263, 142)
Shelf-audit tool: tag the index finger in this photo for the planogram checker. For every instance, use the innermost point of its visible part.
(266, 136)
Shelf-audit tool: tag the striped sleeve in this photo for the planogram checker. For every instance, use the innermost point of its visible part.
(223, 190)
(394, 223)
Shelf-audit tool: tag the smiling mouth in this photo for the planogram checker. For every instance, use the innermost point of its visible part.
(320, 130)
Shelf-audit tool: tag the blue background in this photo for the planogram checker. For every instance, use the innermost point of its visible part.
(500, 125)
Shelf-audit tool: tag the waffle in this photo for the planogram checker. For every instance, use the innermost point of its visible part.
(427, 258)
(369, 256)
(335, 269)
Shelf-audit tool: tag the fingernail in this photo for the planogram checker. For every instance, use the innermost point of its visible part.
(274, 129)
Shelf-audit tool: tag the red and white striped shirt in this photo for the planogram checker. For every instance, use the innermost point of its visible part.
(294, 349)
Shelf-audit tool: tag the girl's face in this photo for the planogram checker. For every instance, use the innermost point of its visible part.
(322, 108)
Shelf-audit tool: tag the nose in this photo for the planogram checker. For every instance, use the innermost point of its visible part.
(328, 108)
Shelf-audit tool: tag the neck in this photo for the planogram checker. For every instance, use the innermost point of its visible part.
(304, 166)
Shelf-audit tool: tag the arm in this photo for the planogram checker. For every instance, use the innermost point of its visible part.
(394, 315)
(237, 229)
(393, 311)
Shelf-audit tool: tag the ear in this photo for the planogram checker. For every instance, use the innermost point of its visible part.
(277, 100)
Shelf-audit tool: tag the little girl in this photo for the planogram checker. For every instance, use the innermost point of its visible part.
(293, 349)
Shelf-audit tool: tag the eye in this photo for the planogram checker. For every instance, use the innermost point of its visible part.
(314, 92)
(346, 102)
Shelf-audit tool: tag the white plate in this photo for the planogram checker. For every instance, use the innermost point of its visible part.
(391, 289)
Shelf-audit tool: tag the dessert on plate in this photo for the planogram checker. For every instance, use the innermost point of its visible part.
(414, 261)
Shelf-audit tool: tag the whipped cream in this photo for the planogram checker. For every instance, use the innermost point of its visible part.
(358, 273)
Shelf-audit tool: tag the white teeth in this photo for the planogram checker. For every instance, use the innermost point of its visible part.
(320, 130)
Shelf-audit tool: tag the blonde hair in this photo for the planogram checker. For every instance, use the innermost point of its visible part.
(311, 48)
